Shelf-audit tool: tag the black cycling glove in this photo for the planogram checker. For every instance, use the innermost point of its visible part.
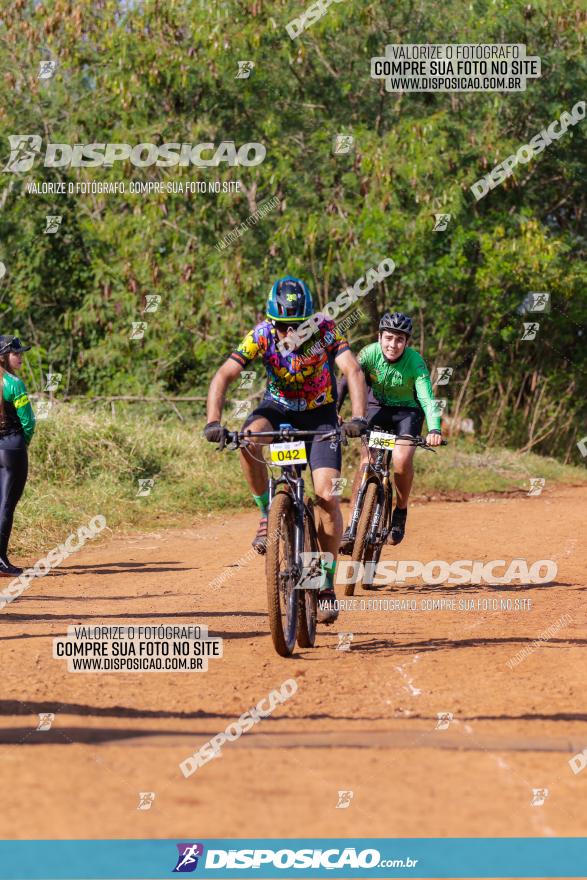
(215, 433)
(355, 427)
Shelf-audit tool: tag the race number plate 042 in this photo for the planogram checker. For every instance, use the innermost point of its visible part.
(380, 440)
(283, 454)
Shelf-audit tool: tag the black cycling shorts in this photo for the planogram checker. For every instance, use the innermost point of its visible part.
(321, 454)
(396, 419)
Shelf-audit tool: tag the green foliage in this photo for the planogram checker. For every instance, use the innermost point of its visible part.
(165, 72)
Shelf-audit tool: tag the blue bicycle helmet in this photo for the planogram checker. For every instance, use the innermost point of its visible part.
(289, 300)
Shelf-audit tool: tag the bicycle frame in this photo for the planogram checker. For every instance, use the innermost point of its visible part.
(291, 477)
(378, 471)
(381, 467)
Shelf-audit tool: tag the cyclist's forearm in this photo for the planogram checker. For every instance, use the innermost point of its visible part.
(216, 397)
(358, 392)
(342, 388)
(425, 395)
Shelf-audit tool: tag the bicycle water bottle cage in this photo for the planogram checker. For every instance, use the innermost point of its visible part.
(285, 426)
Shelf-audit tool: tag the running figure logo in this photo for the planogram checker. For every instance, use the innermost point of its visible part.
(138, 329)
(439, 405)
(344, 800)
(146, 799)
(338, 484)
(42, 409)
(247, 378)
(23, 150)
(53, 222)
(241, 408)
(152, 302)
(313, 576)
(537, 484)
(444, 719)
(189, 853)
(443, 375)
(441, 222)
(342, 143)
(46, 719)
(344, 641)
(47, 69)
(539, 302)
(539, 795)
(244, 69)
(53, 381)
(530, 331)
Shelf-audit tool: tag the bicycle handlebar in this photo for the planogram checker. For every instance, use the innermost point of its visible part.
(236, 439)
(419, 441)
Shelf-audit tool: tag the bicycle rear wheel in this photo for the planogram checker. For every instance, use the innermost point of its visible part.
(282, 598)
(308, 599)
(364, 524)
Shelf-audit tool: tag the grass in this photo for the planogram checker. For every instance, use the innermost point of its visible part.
(84, 463)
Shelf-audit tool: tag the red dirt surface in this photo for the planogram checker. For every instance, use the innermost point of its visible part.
(362, 720)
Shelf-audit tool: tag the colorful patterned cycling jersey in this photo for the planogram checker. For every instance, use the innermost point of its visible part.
(303, 379)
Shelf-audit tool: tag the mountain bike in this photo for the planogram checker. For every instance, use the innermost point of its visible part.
(371, 520)
(292, 587)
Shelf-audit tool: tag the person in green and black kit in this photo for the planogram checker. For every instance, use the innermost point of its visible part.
(17, 425)
(400, 395)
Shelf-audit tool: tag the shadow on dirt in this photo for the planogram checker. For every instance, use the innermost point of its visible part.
(375, 646)
(460, 589)
(123, 568)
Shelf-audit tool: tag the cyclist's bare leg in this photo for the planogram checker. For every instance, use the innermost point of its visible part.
(403, 471)
(251, 458)
(329, 521)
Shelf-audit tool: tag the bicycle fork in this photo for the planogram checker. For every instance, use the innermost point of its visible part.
(382, 513)
(358, 505)
(297, 486)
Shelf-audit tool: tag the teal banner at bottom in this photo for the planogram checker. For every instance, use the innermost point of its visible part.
(296, 857)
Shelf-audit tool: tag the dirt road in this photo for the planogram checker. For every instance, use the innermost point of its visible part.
(362, 721)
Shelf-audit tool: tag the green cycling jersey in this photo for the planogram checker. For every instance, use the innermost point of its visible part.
(405, 382)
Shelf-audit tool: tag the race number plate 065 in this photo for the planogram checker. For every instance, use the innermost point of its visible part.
(380, 440)
(288, 453)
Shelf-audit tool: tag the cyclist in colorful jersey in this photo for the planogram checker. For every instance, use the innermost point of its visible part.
(301, 391)
(400, 395)
(17, 425)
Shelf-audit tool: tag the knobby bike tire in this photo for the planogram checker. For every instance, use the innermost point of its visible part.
(280, 533)
(308, 599)
(363, 526)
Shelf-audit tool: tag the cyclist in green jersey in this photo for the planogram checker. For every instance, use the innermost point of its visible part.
(17, 425)
(400, 395)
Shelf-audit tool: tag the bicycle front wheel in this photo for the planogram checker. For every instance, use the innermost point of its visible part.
(282, 598)
(308, 599)
(363, 526)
